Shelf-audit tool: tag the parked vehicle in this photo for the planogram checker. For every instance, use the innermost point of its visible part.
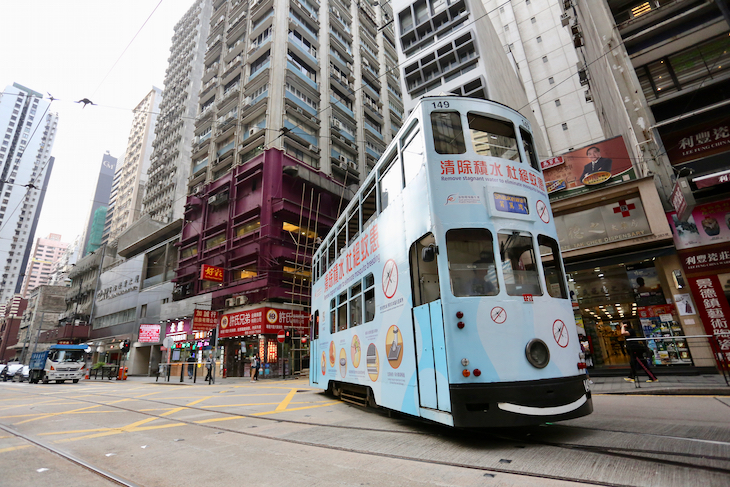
(9, 370)
(21, 374)
(59, 363)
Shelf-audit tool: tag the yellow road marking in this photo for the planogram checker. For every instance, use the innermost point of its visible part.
(136, 426)
(283, 404)
(13, 448)
(295, 409)
(254, 404)
(148, 394)
(50, 415)
(47, 414)
(74, 431)
(174, 410)
(199, 400)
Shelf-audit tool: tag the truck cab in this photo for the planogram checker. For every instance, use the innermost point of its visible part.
(59, 363)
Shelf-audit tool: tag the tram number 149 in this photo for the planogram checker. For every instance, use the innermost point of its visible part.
(440, 104)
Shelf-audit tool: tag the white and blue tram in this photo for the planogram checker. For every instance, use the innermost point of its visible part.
(440, 292)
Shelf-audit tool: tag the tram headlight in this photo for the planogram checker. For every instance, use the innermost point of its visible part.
(537, 353)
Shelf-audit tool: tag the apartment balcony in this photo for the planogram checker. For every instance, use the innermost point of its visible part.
(65, 332)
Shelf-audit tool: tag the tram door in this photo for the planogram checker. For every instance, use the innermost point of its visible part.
(314, 358)
(433, 383)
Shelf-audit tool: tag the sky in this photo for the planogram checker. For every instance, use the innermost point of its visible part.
(71, 49)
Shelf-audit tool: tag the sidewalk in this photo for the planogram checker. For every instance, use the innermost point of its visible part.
(706, 384)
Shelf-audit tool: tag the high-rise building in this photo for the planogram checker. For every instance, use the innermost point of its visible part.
(545, 58)
(102, 193)
(46, 252)
(450, 46)
(62, 266)
(132, 173)
(319, 81)
(171, 155)
(28, 131)
(112, 200)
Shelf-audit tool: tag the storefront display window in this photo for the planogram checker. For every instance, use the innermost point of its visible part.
(605, 296)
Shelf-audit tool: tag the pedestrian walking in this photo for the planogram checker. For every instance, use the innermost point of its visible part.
(191, 365)
(637, 351)
(255, 365)
(209, 364)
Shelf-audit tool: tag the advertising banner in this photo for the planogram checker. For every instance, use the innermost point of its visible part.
(707, 225)
(587, 168)
(204, 320)
(179, 330)
(714, 307)
(149, 333)
(262, 320)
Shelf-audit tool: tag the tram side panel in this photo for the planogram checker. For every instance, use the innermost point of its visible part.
(378, 354)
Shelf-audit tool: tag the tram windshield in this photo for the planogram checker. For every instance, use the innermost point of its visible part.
(448, 136)
(471, 262)
(519, 265)
(493, 138)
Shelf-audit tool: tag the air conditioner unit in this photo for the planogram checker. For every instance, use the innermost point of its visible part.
(253, 131)
(230, 302)
(589, 96)
(299, 109)
(312, 147)
(241, 300)
(565, 20)
(343, 165)
(352, 164)
(252, 48)
(336, 124)
(343, 159)
(218, 199)
(247, 101)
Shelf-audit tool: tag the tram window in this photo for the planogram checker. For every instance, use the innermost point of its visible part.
(424, 274)
(529, 147)
(391, 181)
(341, 240)
(356, 305)
(315, 325)
(518, 264)
(369, 204)
(342, 312)
(550, 256)
(413, 153)
(472, 270)
(353, 224)
(369, 298)
(448, 136)
(494, 138)
(331, 254)
(333, 315)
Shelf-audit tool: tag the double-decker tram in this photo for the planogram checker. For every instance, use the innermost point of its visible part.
(440, 291)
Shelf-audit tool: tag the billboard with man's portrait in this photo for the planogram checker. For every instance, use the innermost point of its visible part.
(590, 167)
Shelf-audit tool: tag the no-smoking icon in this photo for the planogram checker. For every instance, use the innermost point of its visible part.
(560, 333)
(542, 211)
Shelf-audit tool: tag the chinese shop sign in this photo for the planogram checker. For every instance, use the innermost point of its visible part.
(211, 273)
(204, 320)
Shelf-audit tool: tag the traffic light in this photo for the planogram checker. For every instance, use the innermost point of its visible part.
(212, 336)
(287, 336)
(125, 346)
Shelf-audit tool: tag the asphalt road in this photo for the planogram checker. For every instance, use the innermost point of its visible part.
(284, 433)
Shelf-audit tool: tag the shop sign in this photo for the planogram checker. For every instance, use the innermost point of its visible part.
(552, 162)
(714, 309)
(204, 320)
(149, 333)
(622, 220)
(705, 260)
(211, 273)
(698, 141)
(123, 286)
(179, 330)
(710, 180)
(262, 320)
(587, 168)
(713, 226)
(682, 200)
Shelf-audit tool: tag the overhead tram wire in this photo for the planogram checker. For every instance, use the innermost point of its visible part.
(125, 49)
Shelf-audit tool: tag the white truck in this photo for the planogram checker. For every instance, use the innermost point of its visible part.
(59, 363)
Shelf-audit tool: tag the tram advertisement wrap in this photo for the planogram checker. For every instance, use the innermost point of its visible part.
(583, 169)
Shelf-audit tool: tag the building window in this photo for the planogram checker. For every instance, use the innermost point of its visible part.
(506, 28)
(533, 20)
(557, 102)
(551, 80)
(565, 126)
(544, 59)
(539, 39)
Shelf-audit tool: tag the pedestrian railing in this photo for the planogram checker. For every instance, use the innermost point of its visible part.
(165, 370)
(721, 358)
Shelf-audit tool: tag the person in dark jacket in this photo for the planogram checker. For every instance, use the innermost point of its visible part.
(636, 350)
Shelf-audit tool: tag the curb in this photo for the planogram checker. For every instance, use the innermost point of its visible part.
(700, 391)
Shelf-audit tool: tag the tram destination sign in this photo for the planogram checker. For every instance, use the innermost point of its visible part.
(511, 203)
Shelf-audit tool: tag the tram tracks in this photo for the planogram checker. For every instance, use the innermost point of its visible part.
(438, 434)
